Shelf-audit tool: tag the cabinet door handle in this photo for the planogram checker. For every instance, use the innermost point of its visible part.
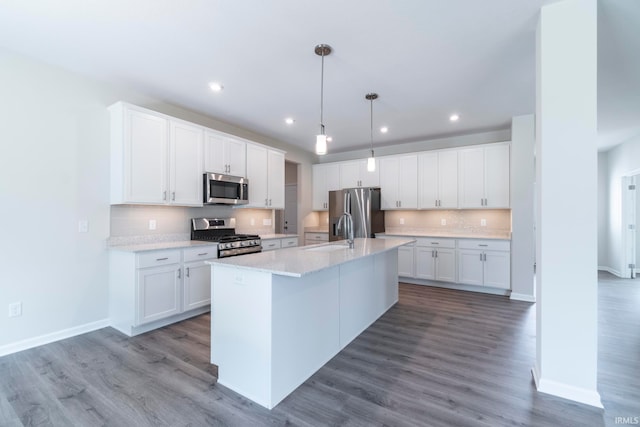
(173, 196)
(436, 254)
(483, 245)
(481, 257)
(435, 243)
(203, 254)
(187, 271)
(179, 273)
(164, 195)
(269, 202)
(265, 202)
(162, 259)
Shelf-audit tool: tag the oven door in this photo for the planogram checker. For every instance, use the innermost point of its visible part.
(225, 189)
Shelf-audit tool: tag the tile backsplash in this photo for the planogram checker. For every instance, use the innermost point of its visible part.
(133, 220)
(459, 220)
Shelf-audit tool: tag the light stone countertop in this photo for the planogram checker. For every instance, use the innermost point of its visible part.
(497, 235)
(276, 236)
(303, 260)
(318, 229)
(142, 247)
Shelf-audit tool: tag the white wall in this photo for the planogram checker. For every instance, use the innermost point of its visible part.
(54, 171)
(566, 251)
(522, 207)
(622, 160)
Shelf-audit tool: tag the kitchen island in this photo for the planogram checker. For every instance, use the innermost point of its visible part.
(279, 316)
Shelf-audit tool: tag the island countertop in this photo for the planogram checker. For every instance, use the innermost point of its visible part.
(303, 260)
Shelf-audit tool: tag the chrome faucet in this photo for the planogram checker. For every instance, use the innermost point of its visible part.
(348, 226)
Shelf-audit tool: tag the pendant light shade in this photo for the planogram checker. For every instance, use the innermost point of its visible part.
(321, 144)
(321, 139)
(371, 161)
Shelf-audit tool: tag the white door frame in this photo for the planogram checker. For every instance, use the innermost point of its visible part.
(628, 225)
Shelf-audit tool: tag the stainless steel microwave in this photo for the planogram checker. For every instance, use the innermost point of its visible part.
(225, 189)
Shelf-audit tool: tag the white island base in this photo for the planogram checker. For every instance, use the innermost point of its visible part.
(270, 332)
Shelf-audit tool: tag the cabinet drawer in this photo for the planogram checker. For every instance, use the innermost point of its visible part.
(317, 237)
(156, 258)
(492, 245)
(269, 245)
(432, 242)
(200, 253)
(289, 242)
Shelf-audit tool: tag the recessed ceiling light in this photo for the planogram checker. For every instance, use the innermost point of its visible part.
(289, 121)
(215, 86)
(329, 139)
(384, 129)
(454, 117)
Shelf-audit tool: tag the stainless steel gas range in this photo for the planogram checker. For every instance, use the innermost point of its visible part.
(220, 230)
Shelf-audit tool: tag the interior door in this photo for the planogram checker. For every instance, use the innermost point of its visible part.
(290, 209)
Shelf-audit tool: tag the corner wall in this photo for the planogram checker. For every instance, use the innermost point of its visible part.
(54, 172)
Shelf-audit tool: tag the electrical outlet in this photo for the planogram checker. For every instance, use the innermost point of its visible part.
(443, 221)
(266, 221)
(483, 222)
(83, 226)
(15, 309)
(152, 224)
(401, 221)
(252, 221)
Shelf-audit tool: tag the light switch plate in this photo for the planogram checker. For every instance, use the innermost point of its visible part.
(401, 221)
(443, 221)
(252, 221)
(483, 222)
(152, 224)
(83, 226)
(266, 221)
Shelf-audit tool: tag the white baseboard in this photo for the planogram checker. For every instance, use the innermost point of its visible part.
(456, 286)
(610, 270)
(522, 297)
(54, 336)
(566, 391)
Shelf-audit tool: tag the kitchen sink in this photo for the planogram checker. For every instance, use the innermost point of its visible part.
(328, 248)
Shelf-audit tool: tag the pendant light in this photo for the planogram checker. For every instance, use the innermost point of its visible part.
(371, 161)
(321, 139)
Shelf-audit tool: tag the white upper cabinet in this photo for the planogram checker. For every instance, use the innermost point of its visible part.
(399, 182)
(266, 177)
(326, 177)
(154, 159)
(438, 180)
(484, 176)
(224, 154)
(355, 174)
(185, 162)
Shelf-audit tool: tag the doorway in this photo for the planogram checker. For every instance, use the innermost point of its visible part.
(287, 219)
(631, 219)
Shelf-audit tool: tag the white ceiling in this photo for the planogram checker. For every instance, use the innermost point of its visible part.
(425, 58)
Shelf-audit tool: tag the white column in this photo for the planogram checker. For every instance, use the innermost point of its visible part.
(566, 217)
(522, 210)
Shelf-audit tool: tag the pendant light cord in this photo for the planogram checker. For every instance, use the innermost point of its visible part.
(371, 129)
(322, 96)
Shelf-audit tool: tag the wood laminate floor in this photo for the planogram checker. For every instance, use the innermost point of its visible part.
(437, 358)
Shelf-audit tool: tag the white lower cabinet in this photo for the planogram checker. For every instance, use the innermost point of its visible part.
(406, 261)
(155, 288)
(158, 293)
(279, 243)
(315, 238)
(484, 263)
(436, 259)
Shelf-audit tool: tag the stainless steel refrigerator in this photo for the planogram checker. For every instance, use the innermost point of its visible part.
(364, 206)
